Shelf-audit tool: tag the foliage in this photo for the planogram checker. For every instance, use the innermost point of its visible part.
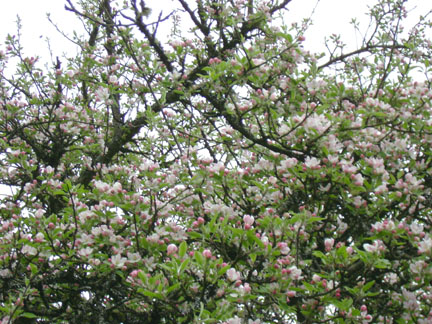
(226, 175)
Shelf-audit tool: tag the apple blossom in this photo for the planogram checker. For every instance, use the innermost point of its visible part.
(29, 250)
(328, 243)
(233, 275)
(207, 253)
(172, 249)
(248, 221)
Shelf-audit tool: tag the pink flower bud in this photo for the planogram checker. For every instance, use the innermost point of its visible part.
(328, 243)
(171, 249)
(316, 278)
(207, 253)
(291, 293)
(248, 220)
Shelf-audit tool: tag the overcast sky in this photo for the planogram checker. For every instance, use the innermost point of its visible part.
(331, 16)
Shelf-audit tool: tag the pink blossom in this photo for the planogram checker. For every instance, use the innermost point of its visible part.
(291, 293)
(234, 320)
(358, 179)
(244, 289)
(418, 267)
(133, 257)
(410, 300)
(318, 123)
(254, 322)
(377, 165)
(358, 201)
(101, 186)
(287, 164)
(214, 60)
(248, 220)
(172, 249)
(413, 182)
(312, 163)
(29, 250)
(207, 253)
(118, 261)
(102, 94)
(376, 247)
(70, 73)
(85, 252)
(233, 275)
(316, 278)
(176, 43)
(315, 85)
(116, 187)
(134, 273)
(284, 249)
(113, 79)
(257, 61)
(416, 228)
(328, 243)
(425, 245)
(295, 273)
(381, 189)
(216, 167)
(283, 129)
(5, 273)
(39, 213)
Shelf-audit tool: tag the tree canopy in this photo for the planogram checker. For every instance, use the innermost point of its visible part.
(224, 174)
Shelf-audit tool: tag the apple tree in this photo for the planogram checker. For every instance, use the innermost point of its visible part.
(200, 165)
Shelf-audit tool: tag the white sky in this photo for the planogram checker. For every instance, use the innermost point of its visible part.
(331, 16)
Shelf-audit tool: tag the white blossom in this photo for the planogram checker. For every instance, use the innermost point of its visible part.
(233, 275)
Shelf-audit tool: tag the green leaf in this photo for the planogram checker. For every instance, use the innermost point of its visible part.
(182, 249)
(344, 304)
(212, 223)
(222, 271)
(194, 235)
(355, 312)
(237, 231)
(259, 185)
(286, 36)
(309, 287)
(314, 219)
(183, 266)
(199, 258)
(325, 151)
(165, 266)
(294, 219)
(258, 241)
(142, 276)
(152, 294)
(342, 252)
(33, 268)
(382, 264)
(320, 255)
(160, 287)
(28, 315)
(173, 287)
(367, 286)
(67, 185)
(59, 192)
